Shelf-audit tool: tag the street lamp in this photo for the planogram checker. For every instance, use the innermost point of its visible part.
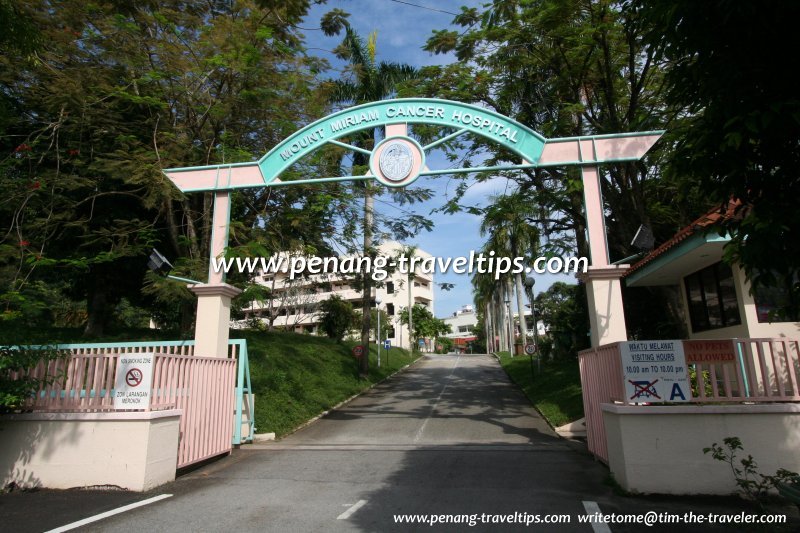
(378, 312)
(529, 283)
(511, 328)
(398, 332)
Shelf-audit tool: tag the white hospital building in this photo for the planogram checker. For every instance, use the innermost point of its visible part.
(294, 303)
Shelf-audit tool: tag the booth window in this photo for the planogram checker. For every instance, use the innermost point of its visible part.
(712, 298)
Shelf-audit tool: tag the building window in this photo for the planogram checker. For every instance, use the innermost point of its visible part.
(712, 298)
(463, 329)
(390, 309)
(389, 287)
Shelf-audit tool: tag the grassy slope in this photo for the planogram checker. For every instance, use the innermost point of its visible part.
(296, 377)
(556, 392)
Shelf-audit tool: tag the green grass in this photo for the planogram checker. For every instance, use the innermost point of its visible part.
(555, 392)
(297, 377)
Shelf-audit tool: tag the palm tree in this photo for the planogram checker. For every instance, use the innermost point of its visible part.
(409, 252)
(484, 289)
(510, 234)
(368, 81)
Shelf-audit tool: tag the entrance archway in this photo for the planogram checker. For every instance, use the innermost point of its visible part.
(397, 161)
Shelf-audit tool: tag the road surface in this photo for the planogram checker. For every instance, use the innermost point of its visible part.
(449, 436)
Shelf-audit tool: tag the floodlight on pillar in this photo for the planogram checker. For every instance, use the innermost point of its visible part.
(161, 266)
(644, 239)
(158, 263)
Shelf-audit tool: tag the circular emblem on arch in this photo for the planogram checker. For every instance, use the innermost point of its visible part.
(397, 161)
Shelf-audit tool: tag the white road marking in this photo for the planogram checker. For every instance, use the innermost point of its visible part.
(112, 512)
(353, 508)
(598, 527)
(435, 403)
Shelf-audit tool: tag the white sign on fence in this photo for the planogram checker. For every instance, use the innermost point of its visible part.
(134, 381)
(655, 371)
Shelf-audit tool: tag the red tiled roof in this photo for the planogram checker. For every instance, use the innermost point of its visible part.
(708, 219)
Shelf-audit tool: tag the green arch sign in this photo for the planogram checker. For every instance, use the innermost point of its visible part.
(509, 133)
(398, 161)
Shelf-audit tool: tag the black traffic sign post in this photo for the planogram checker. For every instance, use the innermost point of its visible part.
(531, 349)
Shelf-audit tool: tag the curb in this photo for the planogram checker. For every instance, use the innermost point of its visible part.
(519, 387)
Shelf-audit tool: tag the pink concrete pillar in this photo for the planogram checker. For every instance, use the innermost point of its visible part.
(214, 298)
(603, 288)
(220, 227)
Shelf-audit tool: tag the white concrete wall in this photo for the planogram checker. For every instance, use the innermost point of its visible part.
(659, 450)
(133, 450)
(747, 309)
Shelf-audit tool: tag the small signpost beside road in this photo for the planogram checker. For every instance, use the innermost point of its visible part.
(133, 382)
(530, 349)
(387, 344)
(358, 351)
(655, 371)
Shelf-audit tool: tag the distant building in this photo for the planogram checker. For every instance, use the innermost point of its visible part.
(462, 324)
(541, 328)
(295, 303)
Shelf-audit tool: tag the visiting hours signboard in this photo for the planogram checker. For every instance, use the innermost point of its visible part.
(654, 371)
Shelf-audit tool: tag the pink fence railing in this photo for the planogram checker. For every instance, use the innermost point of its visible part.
(202, 387)
(753, 370)
(726, 370)
(601, 382)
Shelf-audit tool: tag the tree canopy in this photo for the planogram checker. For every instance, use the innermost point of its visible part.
(97, 98)
(727, 66)
(425, 325)
(97, 101)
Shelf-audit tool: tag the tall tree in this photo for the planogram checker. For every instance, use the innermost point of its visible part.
(426, 326)
(567, 68)
(510, 235)
(118, 91)
(728, 65)
(368, 81)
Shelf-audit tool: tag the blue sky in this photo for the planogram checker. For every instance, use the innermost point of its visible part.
(402, 32)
